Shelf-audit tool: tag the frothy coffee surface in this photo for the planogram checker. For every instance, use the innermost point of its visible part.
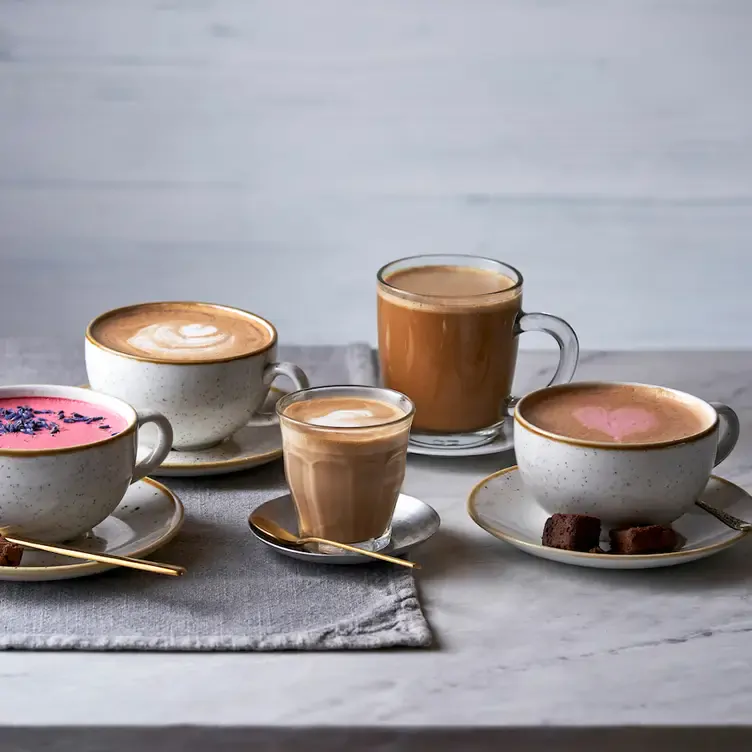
(453, 282)
(345, 482)
(181, 332)
(446, 340)
(621, 414)
(343, 412)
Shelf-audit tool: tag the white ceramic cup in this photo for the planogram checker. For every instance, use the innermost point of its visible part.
(623, 484)
(54, 495)
(205, 401)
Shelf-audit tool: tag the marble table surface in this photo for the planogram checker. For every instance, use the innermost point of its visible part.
(528, 651)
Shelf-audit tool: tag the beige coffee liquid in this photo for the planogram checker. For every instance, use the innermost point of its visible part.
(617, 413)
(345, 482)
(181, 332)
(449, 343)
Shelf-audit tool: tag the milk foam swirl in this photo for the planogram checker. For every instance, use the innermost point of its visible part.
(345, 418)
(181, 340)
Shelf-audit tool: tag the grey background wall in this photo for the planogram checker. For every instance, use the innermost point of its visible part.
(273, 153)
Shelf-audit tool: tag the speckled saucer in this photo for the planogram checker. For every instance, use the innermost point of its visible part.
(250, 446)
(502, 506)
(148, 517)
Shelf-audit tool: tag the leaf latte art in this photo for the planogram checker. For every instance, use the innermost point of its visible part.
(182, 332)
(182, 340)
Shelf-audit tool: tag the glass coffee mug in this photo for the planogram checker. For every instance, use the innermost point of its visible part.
(448, 334)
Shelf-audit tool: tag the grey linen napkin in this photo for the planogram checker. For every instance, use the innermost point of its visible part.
(238, 594)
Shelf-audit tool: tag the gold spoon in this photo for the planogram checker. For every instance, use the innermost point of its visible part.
(172, 570)
(273, 530)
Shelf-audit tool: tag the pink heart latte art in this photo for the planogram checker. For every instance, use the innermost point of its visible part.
(619, 423)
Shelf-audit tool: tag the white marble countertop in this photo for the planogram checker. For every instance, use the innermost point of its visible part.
(523, 645)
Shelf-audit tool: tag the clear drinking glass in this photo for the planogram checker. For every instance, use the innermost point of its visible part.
(345, 479)
(454, 353)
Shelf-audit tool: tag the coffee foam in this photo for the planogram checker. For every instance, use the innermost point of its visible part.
(620, 413)
(345, 419)
(181, 332)
(619, 423)
(175, 339)
(491, 296)
(343, 412)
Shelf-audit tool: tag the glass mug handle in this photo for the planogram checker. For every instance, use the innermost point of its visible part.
(271, 371)
(566, 339)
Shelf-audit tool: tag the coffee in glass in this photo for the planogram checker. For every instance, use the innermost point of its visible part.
(345, 451)
(448, 334)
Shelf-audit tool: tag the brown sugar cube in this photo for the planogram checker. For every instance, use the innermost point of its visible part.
(649, 539)
(572, 532)
(10, 554)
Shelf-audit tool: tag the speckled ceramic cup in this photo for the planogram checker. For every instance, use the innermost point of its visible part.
(205, 401)
(622, 483)
(55, 494)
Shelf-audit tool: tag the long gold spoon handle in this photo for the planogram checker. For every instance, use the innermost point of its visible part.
(121, 561)
(372, 554)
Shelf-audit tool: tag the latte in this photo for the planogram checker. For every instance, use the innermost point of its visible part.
(343, 412)
(447, 340)
(614, 413)
(345, 461)
(182, 332)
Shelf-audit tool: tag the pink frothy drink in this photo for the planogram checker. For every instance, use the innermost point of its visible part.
(54, 422)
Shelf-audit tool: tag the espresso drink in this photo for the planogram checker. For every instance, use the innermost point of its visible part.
(447, 340)
(345, 463)
(181, 332)
(615, 413)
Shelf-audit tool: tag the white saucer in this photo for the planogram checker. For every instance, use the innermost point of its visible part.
(149, 516)
(413, 523)
(503, 442)
(251, 446)
(501, 506)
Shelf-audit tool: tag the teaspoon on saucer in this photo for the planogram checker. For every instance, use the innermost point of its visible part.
(172, 570)
(727, 519)
(278, 533)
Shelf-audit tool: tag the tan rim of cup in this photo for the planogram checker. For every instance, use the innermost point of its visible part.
(130, 428)
(613, 446)
(188, 304)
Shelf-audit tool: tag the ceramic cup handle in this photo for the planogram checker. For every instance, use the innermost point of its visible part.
(272, 370)
(164, 443)
(569, 347)
(729, 434)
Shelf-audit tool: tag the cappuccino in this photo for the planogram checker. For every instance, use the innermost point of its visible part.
(207, 367)
(629, 454)
(614, 413)
(345, 455)
(181, 332)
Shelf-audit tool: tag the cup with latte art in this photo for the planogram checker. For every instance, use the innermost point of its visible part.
(207, 367)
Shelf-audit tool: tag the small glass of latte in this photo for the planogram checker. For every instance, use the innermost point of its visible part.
(345, 451)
